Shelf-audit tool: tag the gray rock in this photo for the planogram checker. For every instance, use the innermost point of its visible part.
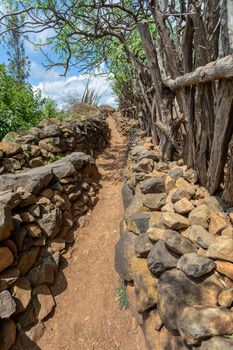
(127, 196)
(144, 166)
(161, 259)
(124, 252)
(45, 272)
(191, 176)
(178, 244)
(51, 222)
(34, 180)
(79, 159)
(198, 322)
(138, 223)
(10, 199)
(143, 245)
(195, 265)
(179, 194)
(154, 201)
(176, 291)
(62, 169)
(200, 216)
(7, 304)
(197, 234)
(154, 184)
(175, 173)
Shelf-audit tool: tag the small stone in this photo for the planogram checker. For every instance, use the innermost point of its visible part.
(127, 196)
(27, 218)
(143, 245)
(21, 293)
(200, 216)
(36, 162)
(45, 272)
(178, 244)
(225, 298)
(197, 323)
(183, 206)
(169, 183)
(221, 250)
(47, 193)
(35, 211)
(154, 184)
(180, 193)
(51, 222)
(34, 230)
(174, 221)
(195, 265)
(185, 185)
(168, 207)
(190, 175)
(226, 268)
(160, 259)
(138, 223)
(154, 201)
(6, 258)
(27, 260)
(7, 304)
(175, 173)
(57, 245)
(155, 234)
(217, 222)
(144, 166)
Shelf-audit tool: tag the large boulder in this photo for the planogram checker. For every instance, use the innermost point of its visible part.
(124, 253)
(198, 322)
(176, 291)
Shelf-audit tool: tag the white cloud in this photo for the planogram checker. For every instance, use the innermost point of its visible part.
(57, 87)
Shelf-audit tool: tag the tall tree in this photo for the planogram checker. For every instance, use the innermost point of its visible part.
(19, 64)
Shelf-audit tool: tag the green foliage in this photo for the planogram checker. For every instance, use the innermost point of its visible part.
(122, 296)
(20, 106)
(49, 109)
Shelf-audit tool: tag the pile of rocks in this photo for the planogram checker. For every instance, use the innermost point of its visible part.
(176, 254)
(51, 140)
(38, 208)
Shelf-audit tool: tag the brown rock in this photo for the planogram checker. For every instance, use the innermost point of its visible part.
(174, 221)
(154, 201)
(6, 258)
(226, 268)
(217, 222)
(183, 206)
(178, 244)
(198, 235)
(182, 183)
(34, 230)
(168, 207)
(35, 211)
(200, 216)
(198, 322)
(7, 334)
(145, 285)
(225, 298)
(35, 162)
(21, 293)
(221, 250)
(155, 234)
(180, 193)
(45, 272)
(171, 341)
(10, 148)
(131, 296)
(27, 260)
(216, 343)
(46, 301)
(47, 193)
(154, 319)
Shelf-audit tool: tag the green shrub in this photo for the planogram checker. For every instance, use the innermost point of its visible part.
(20, 106)
(122, 296)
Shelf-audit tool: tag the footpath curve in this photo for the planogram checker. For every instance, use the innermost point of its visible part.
(88, 316)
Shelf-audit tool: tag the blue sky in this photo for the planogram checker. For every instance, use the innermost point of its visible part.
(55, 86)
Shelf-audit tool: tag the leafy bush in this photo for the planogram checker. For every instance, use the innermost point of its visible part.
(20, 106)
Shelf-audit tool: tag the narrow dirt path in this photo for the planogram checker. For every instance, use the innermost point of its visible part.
(88, 316)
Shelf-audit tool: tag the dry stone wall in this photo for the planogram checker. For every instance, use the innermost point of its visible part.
(51, 140)
(40, 211)
(175, 253)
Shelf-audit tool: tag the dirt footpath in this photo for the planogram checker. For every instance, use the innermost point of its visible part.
(88, 316)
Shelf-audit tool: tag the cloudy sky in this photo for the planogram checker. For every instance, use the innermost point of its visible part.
(56, 86)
